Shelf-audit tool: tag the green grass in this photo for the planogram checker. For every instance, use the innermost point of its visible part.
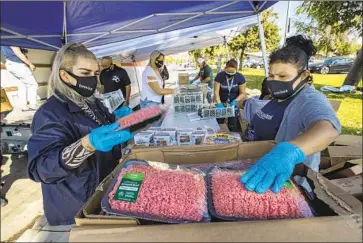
(350, 111)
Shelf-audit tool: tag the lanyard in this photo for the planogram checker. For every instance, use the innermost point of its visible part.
(229, 86)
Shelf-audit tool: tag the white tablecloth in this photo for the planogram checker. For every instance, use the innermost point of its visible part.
(181, 120)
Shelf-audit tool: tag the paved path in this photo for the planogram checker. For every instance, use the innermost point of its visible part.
(24, 198)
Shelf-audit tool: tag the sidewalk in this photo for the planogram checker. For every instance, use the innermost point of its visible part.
(43, 232)
(24, 197)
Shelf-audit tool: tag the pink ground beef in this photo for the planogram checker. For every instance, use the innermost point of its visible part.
(166, 195)
(139, 116)
(231, 199)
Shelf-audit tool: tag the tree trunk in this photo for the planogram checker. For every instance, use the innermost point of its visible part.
(355, 72)
(241, 58)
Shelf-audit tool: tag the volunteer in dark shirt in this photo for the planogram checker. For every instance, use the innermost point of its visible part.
(114, 78)
(206, 76)
(229, 89)
(298, 118)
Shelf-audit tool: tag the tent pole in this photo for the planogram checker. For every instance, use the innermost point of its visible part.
(136, 72)
(65, 22)
(287, 20)
(29, 38)
(262, 40)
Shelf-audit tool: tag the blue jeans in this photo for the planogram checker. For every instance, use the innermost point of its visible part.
(148, 103)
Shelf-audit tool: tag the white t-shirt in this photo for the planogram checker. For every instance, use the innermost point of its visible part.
(147, 92)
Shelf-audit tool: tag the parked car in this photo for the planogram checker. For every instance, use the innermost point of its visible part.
(247, 64)
(332, 65)
(257, 65)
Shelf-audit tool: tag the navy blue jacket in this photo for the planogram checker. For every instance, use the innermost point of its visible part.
(56, 125)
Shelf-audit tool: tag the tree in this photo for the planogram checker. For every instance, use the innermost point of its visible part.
(325, 39)
(250, 41)
(342, 16)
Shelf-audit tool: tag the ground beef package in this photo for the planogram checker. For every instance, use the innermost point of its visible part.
(229, 200)
(158, 192)
(140, 116)
(243, 164)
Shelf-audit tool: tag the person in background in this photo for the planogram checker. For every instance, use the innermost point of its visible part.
(230, 89)
(299, 118)
(205, 76)
(152, 82)
(18, 64)
(165, 76)
(114, 78)
(75, 141)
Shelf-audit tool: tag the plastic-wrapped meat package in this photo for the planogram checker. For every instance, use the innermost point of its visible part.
(229, 200)
(168, 193)
(236, 165)
(140, 116)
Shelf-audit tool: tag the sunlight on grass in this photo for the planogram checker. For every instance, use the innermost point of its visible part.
(350, 111)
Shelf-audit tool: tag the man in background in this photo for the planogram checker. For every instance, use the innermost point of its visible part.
(114, 78)
(206, 76)
(18, 64)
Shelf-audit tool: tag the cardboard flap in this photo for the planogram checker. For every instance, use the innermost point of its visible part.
(188, 154)
(338, 200)
(322, 229)
(352, 185)
(254, 149)
(335, 104)
(342, 165)
(345, 151)
(349, 140)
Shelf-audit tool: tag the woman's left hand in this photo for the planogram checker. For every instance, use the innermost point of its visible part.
(233, 103)
(121, 112)
(273, 169)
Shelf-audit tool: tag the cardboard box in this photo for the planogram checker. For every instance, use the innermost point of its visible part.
(183, 78)
(346, 227)
(352, 185)
(5, 105)
(339, 154)
(349, 140)
(335, 104)
(343, 169)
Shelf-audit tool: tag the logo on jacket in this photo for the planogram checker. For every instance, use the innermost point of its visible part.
(116, 79)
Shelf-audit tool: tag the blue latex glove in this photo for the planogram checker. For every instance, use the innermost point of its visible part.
(233, 103)
(273, 169)
(106, 137)
(122, 111)
(219, 105)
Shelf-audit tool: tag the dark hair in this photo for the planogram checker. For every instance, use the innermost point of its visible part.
(297, 50)
(232, 63)
(107, 58)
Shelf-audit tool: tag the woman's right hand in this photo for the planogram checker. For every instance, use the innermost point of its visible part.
(219, 105)
(106, 137)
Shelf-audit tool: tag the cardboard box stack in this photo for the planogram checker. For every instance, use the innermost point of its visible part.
(343, 165)
(338, 211)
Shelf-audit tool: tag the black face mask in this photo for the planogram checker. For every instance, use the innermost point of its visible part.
(281, 89)
(85, 86)
(159, 64)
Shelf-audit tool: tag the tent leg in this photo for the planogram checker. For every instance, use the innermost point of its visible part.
(136, 74)
(262, 40)
(287, 21)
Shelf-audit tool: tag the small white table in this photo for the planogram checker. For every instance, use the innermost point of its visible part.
(181, 120)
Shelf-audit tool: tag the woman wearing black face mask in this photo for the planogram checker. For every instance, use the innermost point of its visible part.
(229, 89)
(75, 141)
(299, 118)
(152, 82)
